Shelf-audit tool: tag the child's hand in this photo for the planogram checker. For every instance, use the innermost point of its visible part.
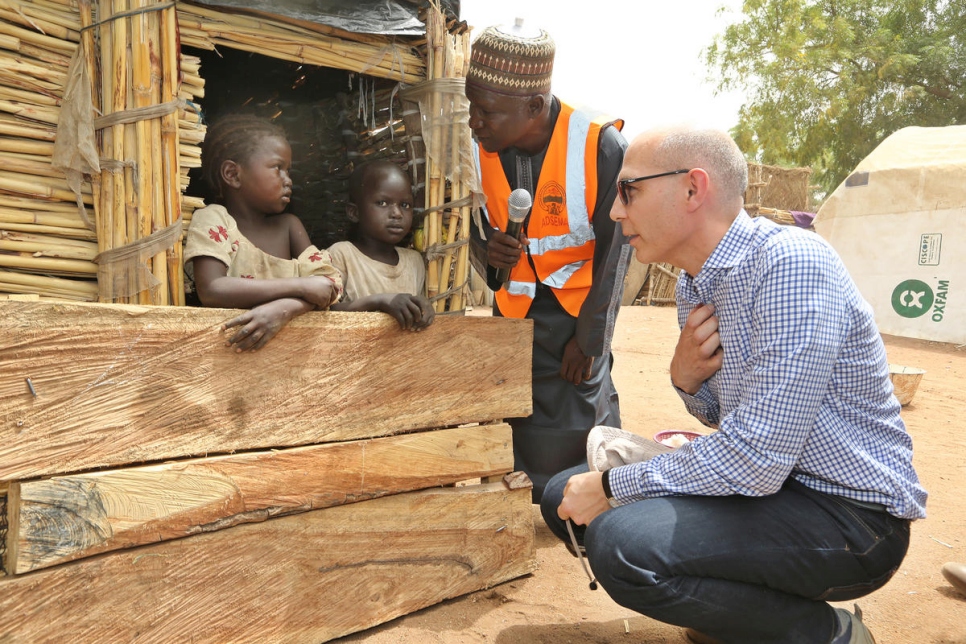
(260, 324)
(319, 290)
(413, 312)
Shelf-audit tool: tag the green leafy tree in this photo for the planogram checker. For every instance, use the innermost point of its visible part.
(827, 80)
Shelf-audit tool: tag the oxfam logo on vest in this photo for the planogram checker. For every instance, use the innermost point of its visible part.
(912, 299)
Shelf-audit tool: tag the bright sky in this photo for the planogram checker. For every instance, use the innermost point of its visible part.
(638, 60)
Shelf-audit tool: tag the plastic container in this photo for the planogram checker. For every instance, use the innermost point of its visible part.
(905, 381)
(670, 434)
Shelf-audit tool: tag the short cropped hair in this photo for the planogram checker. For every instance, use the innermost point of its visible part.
(234, 137)
(712, 150)
(357, 180)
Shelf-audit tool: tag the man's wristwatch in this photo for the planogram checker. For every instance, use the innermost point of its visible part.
(605, 481)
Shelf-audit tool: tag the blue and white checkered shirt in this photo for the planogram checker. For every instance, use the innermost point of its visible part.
(804, 387)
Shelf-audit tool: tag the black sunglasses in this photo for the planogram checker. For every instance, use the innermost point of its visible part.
(623, 183)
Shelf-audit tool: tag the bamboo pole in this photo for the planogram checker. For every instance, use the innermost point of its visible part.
(91, 58)
(26, 164)
(69, 210)
(105, 215)
(141, 199)
(445, 279)
(435, 47)
(60, 23)
(462, 261)
(20, 184)
(43, 73)
(46, 246)
(124, 180)
(170, 134)
(33, 112)
(28, 98)
(38, 39)
(14, 282)
(32, 17)
(54, 231)
(39, 217)
(25, 146)
(47, 265)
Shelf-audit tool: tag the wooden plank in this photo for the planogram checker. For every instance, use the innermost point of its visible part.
(70, 517)
(117, 385)
(308, 577)
(3, 528)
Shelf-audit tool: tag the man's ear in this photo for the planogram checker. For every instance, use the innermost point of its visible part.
(535, 105)
(352, 212)
(698, 182)
(230, 173)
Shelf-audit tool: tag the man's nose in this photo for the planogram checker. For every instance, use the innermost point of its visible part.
(617, 211)
(475, 121)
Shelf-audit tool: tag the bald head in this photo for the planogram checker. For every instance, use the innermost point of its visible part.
(712, 150)
(699, 180)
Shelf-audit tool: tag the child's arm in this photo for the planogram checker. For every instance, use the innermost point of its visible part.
(413, 312)
(216, 289)
(260, 324)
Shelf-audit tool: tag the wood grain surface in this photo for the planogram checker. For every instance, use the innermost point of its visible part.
(69, 517)
(118, 385)
(308, 577)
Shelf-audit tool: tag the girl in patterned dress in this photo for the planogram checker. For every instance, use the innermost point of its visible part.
(244, 251)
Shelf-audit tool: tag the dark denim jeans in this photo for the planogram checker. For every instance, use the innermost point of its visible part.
(741, 569)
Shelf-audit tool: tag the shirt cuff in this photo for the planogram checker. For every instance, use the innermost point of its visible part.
(624, 483)
(701, 405)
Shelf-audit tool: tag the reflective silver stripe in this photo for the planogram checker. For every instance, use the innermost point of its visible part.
(576, 172)
(574, 239)
(522, 288)
(558, 278)
(578, 218)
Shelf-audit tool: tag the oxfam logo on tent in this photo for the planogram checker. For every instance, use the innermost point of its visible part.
(912, 299)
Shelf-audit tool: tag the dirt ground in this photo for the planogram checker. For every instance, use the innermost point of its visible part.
(555, 606)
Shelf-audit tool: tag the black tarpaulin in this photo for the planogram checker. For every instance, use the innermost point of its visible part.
(387, 17)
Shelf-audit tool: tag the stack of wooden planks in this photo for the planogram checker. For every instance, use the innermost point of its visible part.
(334, 480)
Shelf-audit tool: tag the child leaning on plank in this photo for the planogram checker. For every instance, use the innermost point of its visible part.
(244, 251)
(379, 275)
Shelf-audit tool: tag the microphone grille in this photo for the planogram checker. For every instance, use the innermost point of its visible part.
(520, 203)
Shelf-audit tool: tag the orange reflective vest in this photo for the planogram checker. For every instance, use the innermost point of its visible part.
(559, 228)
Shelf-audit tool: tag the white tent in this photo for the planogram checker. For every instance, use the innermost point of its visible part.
(899, 223)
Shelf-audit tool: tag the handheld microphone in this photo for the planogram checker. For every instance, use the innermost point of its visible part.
(519, 207)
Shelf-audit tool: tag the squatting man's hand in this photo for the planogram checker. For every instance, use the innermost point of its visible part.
(583, 499)
(698, 355)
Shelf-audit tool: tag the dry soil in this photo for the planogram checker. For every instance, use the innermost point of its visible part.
(555, 606)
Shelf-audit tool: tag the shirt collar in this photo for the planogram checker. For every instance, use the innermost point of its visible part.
(727, 254)
(733, 246)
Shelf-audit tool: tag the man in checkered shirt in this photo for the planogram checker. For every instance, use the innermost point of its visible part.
(806, 491)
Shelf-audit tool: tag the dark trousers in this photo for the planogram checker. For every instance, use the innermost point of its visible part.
(554, 437)
(740, 569)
